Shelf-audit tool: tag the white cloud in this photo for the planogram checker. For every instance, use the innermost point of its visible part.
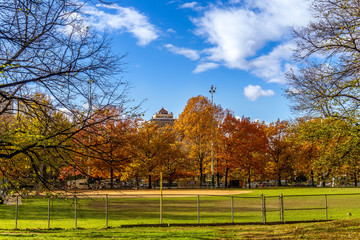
(192, 5)
(170, 30)
(202, 67)
(273, 65)
(189, 53)
(254, 92)
(124, 20)
(240, 33)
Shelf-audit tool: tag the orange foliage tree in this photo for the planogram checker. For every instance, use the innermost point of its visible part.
(280, 150)
(197, 126)
(244, 149)
(151, 145)
(110, 144)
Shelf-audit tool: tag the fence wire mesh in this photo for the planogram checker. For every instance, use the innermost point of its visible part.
(94, 211)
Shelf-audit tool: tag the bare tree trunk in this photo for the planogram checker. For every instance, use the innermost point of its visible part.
(170, 180)
(150, 186)
(249, 178)
(201, 173)
(279, 179)
(312, 178)
(137, 181)
(355, 178)
(111, 177)
(226, 177)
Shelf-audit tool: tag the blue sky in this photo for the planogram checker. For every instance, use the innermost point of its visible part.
(178, 49)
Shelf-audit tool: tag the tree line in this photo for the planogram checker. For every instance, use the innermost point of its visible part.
(118, 146)
(65, 110)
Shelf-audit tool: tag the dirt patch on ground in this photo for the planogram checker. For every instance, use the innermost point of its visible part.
(152, 192)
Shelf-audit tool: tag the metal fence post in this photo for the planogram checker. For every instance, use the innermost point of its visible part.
(232, 209)
(326, 208)
(282, 208)
(262, 207)
(264, 200)
(16, 211)
(161, 199)
(75, 212)
(106, 209)
(198, 209)
(49, 212)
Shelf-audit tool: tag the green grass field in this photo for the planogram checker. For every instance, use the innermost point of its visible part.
(340, 229)
(33, 212)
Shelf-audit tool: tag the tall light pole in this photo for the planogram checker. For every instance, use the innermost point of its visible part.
(212, 91)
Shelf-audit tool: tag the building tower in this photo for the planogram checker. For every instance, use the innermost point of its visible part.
(163, 117)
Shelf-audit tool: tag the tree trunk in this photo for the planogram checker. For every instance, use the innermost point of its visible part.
(226, 177)
(43, 179)
(111, 177)
(170, 180)
(217, 173)
(150, 186)
(201, 173)
(279, 179)
(249, 178)
(137, 181)
(355, 178)
(312, 178)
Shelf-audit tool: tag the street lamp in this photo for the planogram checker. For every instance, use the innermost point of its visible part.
(212, 91)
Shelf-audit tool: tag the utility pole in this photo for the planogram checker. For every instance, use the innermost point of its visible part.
(212, 91)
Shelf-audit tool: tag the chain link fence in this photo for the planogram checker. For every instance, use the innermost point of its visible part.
(94, 211)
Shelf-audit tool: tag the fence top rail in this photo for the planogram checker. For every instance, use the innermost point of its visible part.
(141, 196)
(322, 195)
(158, 195)
(174, 195)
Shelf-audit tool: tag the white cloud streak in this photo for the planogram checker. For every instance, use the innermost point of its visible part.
(188, 53)
(205, 66)
(254, 92)
(239, 32)
(124, 20)
(192, 5)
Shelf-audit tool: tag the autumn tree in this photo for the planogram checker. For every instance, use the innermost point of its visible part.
(173, 158)
(304, 133)
(250, 149)
(280, 150)
(197, 125)
(227, 145)
(242, 148)
(328, 79)
(46, 45)
(34, 127)
(150, 146)
(110, 143)
(329, 148)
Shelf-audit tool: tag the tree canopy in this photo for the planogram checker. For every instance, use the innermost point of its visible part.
(328, 79)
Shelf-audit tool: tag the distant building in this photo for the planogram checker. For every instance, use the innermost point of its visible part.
(163, 117)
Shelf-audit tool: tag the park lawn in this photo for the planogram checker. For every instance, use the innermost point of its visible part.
(340, 229)
(213, 209)
(276, 191)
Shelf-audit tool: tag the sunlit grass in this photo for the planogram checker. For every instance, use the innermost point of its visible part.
(340, 229)
(91, 212)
